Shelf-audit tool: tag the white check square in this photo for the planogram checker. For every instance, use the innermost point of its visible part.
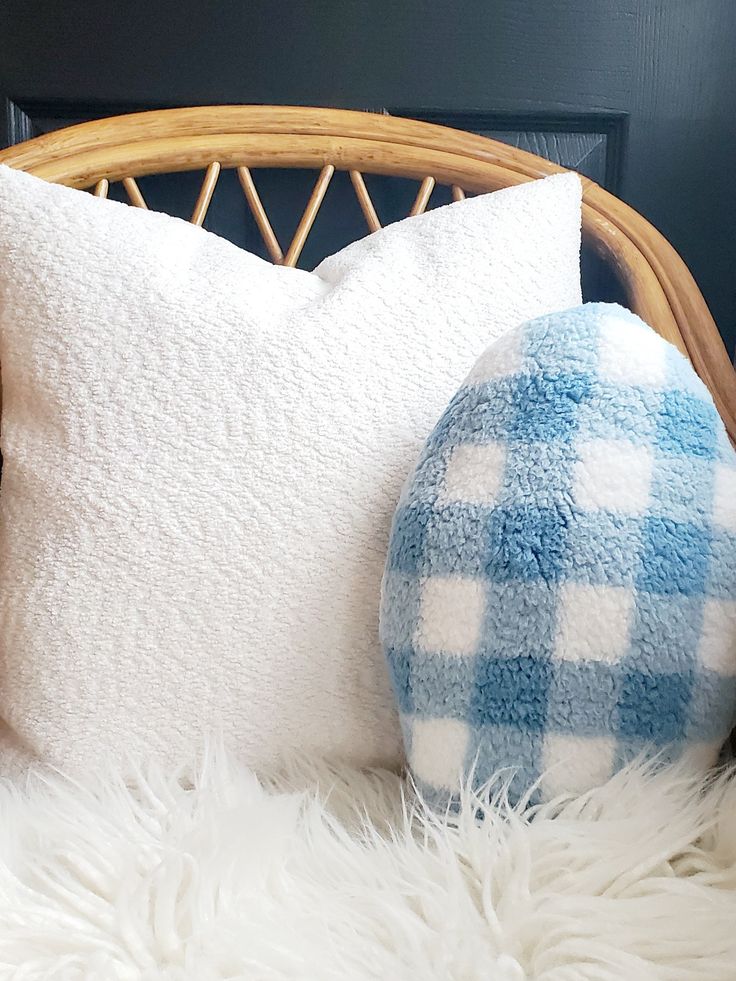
(574, 764)
(717, 648)
(616, 346)
(474, 474)
(451, 611)
(594, 622)
(501, 359)
(438, 750)
(724, 497)
(613, 475)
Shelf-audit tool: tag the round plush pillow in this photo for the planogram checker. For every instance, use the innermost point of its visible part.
(560, 591)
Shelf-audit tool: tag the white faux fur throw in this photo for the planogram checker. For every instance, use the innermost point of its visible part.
(324, 874)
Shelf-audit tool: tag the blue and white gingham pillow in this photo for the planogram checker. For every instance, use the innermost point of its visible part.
(560, 591)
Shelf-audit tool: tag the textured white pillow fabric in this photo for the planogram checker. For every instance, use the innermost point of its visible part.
(202, 453)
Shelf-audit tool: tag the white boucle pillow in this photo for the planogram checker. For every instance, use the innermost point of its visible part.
(202, 453)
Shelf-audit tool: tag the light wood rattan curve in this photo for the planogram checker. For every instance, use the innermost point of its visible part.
(658, 285)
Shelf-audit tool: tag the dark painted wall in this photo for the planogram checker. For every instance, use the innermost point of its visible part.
(670, 65)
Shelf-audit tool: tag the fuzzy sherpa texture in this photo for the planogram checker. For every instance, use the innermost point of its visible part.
(560, 592)
(332, 876)
(203, 451)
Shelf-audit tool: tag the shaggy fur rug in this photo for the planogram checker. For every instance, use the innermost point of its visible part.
(329, 874)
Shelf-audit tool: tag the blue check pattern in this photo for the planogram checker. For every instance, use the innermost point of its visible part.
(560, 589)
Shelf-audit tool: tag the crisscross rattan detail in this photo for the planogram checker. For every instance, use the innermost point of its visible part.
(134, 193)
(310, 213)
(364, 200)
(205, 193)
(423, 195)
(260, 215)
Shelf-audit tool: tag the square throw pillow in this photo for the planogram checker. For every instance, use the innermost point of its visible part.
(560, 592)
(202, 453)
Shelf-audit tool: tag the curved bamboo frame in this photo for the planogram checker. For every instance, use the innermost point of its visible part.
(658, 285)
